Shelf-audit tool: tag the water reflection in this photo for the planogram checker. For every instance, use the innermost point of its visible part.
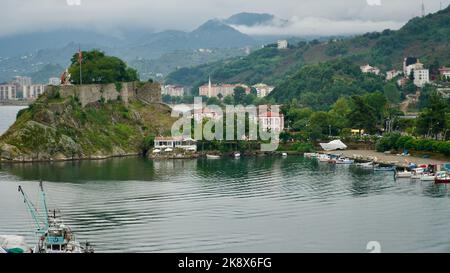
(116, 169)
(249, 204)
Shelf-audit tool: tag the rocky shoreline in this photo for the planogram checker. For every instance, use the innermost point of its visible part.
(66, 159)
(165, 156)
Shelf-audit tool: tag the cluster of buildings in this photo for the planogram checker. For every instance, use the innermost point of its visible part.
(268, 121)
(222, 90)
(370, 69)
(173, 90)
(265, 117)
(21, 88)
(412, 68)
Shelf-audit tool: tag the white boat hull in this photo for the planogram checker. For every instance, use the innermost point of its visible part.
(403, 175)
(427, 178)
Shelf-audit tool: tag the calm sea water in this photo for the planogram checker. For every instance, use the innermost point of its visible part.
(8, 116)
(264, 204)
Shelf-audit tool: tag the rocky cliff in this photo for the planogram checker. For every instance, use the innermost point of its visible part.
(86, 122)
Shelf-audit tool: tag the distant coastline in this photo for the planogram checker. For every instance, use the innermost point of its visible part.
(16, 102)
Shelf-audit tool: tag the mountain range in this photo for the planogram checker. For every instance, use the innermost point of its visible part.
(29, 53)
(427, 38)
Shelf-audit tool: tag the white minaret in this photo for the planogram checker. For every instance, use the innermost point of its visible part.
(209, 87)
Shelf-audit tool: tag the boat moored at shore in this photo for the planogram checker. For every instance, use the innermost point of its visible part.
(442, 177)
(53, 235)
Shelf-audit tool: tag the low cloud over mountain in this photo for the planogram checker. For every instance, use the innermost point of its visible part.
(315, 26)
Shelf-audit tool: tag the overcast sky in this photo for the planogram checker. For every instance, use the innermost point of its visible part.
(306, 16)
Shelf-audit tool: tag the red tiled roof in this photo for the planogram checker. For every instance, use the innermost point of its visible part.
(270, 114)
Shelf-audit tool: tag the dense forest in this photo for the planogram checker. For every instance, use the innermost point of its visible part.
(318, 86)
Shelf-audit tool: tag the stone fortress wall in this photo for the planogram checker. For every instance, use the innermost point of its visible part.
(127, 91)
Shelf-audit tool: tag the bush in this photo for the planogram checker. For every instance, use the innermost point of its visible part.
(383, 145)
(118, 86)
(148, 143)
(21, 112)
(388, 142)
(444, 147)
(401, 142)
(397, 142)
(425, 145)
(303, 147)
(410, 144)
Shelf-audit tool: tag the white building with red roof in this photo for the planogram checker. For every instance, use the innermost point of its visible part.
(445, 71)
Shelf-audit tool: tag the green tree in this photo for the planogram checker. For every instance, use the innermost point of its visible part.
(96, 67)
(377, 101)
(362, 115)
(392, 93)
(320, 120)
(249, 99)
(298, 118)
(433, 119)
(239, 95)
(228, 100)
(213, 101)
(410, 87)
(339, 113)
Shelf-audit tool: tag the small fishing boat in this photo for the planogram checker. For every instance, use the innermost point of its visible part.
(417, 173)
(344, 161)
(404, 174)
(324, 158)
(427, 177)
(311, 155)
(213, 156)
(384, 169)
(442, 178)
(53, 235)
(237, 155)
(284, 154)
(367, 165)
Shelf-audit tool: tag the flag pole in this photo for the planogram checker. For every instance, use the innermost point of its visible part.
(80, 58)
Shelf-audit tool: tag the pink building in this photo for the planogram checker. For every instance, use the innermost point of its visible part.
(271, 121)
(213, 90)
(173, 90)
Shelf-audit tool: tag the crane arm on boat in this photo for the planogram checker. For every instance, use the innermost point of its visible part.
(41, 224)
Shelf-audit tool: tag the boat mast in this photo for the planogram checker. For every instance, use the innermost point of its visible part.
(33, 211)
(44, 205)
